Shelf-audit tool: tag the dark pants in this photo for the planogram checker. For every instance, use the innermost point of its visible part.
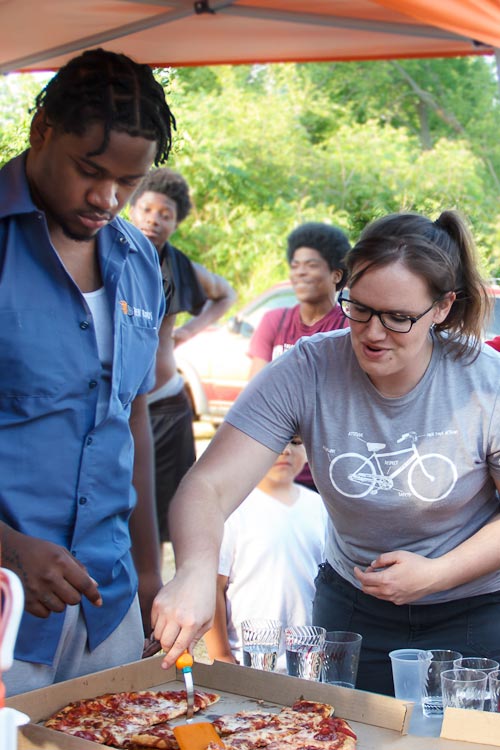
(172, 425)
(470, 626)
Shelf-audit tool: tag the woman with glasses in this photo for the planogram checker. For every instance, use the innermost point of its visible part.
(400, 416)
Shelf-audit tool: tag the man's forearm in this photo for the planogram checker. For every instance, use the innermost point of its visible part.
(143, 522)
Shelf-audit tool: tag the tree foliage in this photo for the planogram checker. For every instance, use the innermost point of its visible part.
(267, 147)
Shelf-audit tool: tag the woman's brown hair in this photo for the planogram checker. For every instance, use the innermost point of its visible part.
(443, 253)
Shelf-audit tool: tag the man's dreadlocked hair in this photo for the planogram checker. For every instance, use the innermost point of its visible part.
(101, 86)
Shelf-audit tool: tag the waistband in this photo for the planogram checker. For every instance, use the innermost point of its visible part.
(171, 388)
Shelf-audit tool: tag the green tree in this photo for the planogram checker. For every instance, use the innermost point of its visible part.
(17, 97)
(266, 147)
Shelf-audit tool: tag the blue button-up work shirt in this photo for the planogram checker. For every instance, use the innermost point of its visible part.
(64, 478)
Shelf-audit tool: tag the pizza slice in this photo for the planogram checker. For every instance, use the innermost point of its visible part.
(242, 721)
(307, 725)
(303, 713)
(302, 706)
(331, 734)
(113, 718)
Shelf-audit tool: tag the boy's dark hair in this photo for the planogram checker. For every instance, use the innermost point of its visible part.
(330, 242)
(169, 183)
(101, 86)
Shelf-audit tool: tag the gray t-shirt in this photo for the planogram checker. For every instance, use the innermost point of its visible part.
(411, 473)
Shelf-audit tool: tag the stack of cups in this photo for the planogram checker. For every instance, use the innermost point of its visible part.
(442, 660)
(409, 672)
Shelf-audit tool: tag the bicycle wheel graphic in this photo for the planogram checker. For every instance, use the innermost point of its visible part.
(434, 475)
(352, 474)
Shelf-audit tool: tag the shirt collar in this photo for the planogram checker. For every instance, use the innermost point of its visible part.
(15, 198)
(15, 195)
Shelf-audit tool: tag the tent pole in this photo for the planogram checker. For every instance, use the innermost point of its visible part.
(497, 59)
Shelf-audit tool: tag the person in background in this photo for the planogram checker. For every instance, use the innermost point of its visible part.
(315, 254)
(272, 547)
(81, 302)
(158, 206)
(400, 418)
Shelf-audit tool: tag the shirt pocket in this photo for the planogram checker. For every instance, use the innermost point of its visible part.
(33, 355)
(136, 357)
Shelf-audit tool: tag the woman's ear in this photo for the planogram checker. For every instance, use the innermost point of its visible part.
(443, 307)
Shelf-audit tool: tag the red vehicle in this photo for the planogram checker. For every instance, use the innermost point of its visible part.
(215, 364)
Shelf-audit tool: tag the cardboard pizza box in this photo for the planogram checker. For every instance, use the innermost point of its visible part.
(380, 722)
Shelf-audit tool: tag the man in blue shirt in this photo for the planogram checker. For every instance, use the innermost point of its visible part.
(81, 301)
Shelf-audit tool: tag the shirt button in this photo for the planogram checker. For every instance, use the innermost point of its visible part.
(82, 501)
(84, 324)
(89, 441)
(93, 384)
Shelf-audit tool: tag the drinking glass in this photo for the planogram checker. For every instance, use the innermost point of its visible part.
(464, 688)
(304, 651)
(261, 641)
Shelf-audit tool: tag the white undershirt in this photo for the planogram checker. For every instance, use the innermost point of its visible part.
(103, 325)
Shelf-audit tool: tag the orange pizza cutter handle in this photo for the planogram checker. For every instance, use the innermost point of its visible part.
(184, 660)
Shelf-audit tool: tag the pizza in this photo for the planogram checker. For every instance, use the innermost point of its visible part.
(307, 725)
(142, 719)
(121, 719)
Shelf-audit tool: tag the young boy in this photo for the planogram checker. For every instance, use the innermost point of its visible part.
(272, 546)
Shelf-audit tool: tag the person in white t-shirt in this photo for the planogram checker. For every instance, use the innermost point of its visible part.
(272, 547)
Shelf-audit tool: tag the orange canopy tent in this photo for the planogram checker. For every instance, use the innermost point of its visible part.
(44, 34)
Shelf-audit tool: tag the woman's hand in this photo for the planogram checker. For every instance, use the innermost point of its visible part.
(182, 611)
(400, 577)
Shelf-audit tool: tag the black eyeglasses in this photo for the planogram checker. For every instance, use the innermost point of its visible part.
(393, 321)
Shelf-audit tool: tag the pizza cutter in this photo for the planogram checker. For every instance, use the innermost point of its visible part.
(199, 735)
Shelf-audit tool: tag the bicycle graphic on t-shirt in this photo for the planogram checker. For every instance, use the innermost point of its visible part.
(431, 476)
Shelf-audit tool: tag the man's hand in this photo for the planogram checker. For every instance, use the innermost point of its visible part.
(400, 577)
(51, 576)
(182, 612)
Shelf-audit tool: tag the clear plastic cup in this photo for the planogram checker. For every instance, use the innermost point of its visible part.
(409, 670)
(261, 641)
(304, 651)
